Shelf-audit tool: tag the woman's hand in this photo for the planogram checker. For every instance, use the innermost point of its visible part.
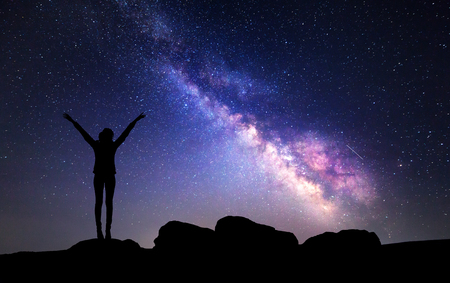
(141, 116)
(67, 116)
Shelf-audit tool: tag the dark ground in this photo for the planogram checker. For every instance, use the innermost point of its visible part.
(237, 250)
(115, 261)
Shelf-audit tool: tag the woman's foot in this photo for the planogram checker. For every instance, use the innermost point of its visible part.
(108, 235)
(100, 235)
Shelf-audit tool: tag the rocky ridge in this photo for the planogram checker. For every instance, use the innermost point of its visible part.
(237, 250)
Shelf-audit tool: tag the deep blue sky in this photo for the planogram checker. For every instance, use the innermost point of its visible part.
(309, 116)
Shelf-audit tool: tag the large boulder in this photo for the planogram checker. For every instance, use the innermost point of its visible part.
(336, 252)
(103, 246)
(185, 251)
(257, 252)
(345, 239)
(236, 232)
(96, 261)
(184, 237)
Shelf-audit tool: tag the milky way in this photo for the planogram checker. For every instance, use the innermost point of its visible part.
(317, 173)
(307, 116)
(314, 171)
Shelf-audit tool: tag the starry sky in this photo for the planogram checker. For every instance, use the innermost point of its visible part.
(308, 116)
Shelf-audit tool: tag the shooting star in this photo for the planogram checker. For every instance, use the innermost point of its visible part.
(355, 152)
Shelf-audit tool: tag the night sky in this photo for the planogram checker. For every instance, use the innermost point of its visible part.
(308, 116)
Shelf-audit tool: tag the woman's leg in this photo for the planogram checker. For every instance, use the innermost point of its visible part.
(98, 188)
(110, 185)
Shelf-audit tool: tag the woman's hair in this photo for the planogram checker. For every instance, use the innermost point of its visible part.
(106, 135)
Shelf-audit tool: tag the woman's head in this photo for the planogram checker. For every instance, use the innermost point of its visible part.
(106, 135)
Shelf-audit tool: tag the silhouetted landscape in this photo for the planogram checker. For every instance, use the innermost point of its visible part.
(237, 250)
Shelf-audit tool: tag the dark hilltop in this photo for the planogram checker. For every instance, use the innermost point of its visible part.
(237, 250)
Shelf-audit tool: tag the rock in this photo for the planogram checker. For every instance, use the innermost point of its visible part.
(257, 252)
(238, 232)
(189, 248)
(113, 245)
(101, 260)
(180, 236)
(358, 249)
(345, 239)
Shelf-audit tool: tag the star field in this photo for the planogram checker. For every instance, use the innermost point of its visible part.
(304, 115)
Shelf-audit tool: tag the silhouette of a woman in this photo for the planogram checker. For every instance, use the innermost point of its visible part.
(104, 169)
